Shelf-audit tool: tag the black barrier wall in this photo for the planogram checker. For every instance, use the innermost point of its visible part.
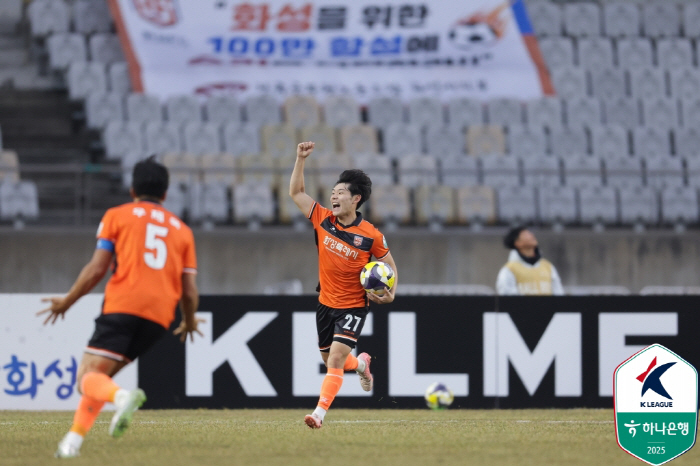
(508, 352)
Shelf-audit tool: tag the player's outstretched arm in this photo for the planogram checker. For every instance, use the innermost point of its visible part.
(297, 189)
(189, 302)
(389, 294)
(90, 276)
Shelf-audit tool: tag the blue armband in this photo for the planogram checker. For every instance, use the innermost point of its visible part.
(105, 244)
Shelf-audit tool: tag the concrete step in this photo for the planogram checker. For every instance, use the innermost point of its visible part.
(12, 58)
(12, 41)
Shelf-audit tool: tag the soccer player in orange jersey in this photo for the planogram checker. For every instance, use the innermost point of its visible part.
(152, 254)
(346, 243)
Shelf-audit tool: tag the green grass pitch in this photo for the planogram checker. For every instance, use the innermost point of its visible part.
(348, 437)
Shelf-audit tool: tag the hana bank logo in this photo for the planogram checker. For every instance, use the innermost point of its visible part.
(651, 379)
(159, 12)
(480, 28)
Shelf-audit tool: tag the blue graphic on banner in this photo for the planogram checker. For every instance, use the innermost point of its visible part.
(23, 378)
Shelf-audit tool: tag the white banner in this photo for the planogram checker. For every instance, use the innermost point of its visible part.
(39, 363)
(438, 48)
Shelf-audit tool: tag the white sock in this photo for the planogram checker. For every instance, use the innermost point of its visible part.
(361, 364)
(320, 412)
(120, 395)
(74, 439)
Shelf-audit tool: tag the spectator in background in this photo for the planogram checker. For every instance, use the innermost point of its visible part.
(526, 273)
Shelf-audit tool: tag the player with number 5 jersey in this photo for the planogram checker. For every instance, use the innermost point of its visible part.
(152, 256)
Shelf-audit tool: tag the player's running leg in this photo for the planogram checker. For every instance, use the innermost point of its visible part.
(360, 365)
(331, 384)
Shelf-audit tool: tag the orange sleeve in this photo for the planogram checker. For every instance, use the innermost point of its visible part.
(190, 256)
(380, 248)
(318, 213)
(108, 227)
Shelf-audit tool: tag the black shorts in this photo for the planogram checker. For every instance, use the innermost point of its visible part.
(341, 325)
(123, 337)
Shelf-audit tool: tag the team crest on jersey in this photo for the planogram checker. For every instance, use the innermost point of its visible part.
(159, 12)
(357, 241)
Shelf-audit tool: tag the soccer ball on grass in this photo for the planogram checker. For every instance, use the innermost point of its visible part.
(438, 396)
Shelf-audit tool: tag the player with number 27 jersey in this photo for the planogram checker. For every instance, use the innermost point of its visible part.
(152, 248)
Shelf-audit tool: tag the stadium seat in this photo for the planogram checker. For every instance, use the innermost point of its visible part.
(417, 170)
(300, 111)
(323, 136)
(176, 200)
(651, 142)
(257, 168)
(692, 167)
(9, 166)
(65, 49)
(672, 53)
(621, 18)
(516, 204)
(595, 52)
(526, 141)
(691, 19)
(359, 139)
(557, 205)
(622, 111)
(143, 108)
(119, 80)
(504, 112)
(567, 141)
(48, 16)
(222, 109)
(679, 205)
(162, 137)
(401, 139)
(499, 171)
(341, 111)
(378, 167)
(463, 112)
(609, 141)
(660, 112)
(443, 140)
(121, 138)
(219, 168)
(569, 82)
(329, 167)
(647, 82)
(279, 140)
(253, 203)
(623, 172)
(660, 18)
(127, 162)
(384, 111)
(84, 78)
(582, 19)
(486, 139)
(241, 139)
(546, 17)
(639, 206)
(607, 83)
(690, 112)
(288, 210)
(435, 205)
(262, 110)
(390, 206)
(201, 138)
(558, 52)
(103, 107)
(685, 83)
(425, 111)
(634, 52)
(91, 16)
(10, 15)
(209, 203)
(183, 168)
(582, 171)
(283, 168)
(664, 172)
(545, 112)
(687, 141)
(105, 48)
(459, 170)
(583, 112)
(183, 109)
(476, 205)
(19, 201)
(598, 205)
(541, 171)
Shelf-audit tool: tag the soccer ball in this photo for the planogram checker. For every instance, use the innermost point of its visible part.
(438, 396)
(375, 276)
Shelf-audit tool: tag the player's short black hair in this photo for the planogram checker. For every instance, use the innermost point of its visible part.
(511, 237)
(358, 183)
(150, 178)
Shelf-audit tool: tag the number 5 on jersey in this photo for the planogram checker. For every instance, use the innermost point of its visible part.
(154, 241)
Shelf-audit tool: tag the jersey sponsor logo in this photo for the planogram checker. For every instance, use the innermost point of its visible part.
(339, 248)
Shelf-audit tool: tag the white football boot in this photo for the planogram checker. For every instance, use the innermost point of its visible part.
(127, 403)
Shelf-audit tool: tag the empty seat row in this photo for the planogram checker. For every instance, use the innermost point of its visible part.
(19, 200)
(65, 49)
(56, 16)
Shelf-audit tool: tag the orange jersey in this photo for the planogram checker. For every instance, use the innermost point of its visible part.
(342, 253)
(152, 249)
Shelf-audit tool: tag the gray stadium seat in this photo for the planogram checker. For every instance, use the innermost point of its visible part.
(583, 112)
(143, 108)
(359, 139)
(639, 205)
(566, 141)
(569, 82)
(9, 165)
(85, 78)
(687, 141)
(463, 112)
(651, 142)
(516, 204)
(182, 168)
(660, 112)
(557, 205)
(545, 112)
(607, 83)
(90, 16)
(444, 140)
(176, 200)
(675, 52)
(541, 171)
(435, 205)
(664, 172)
(621, 18)
(241, 139)
(279, 140)
(692, 166)
(121, 138)
(647, 82)
(209, 203)
(258, 168)
(546, 17)
(486, 139)
(582, 171)
(105, 48)
(127, 162)
(401, 139)
(558, 52)
(262, 110)
(609, 141)
(417, 170)
(459, 170)
(329, 167)
(384, 111)
(301, 110)
(691, 19)
(103, 107)
(476, 205)
(341, 111)
(504, 112)
(685, 83)
(623, 172)
(679, 204)
(390, 205)
(378, 167)
(162, 137)
(223, 109)
(19, 201)
(598, 205)
(582, 19)
(182, 109)
(425, 111)
(622, 111)
(500, 171)
(201, 138)
(660, 18)
(323, 136)
(690, 112)
(219, 168)
(10, 15)
(526, 141)
(634, 52)
(65, 49)
(595, 52)
(119, 81)
(48, 16)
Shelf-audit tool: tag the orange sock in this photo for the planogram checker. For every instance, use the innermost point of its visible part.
(99, 386)
(85, 415)
(330, 387)
(350, 363)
